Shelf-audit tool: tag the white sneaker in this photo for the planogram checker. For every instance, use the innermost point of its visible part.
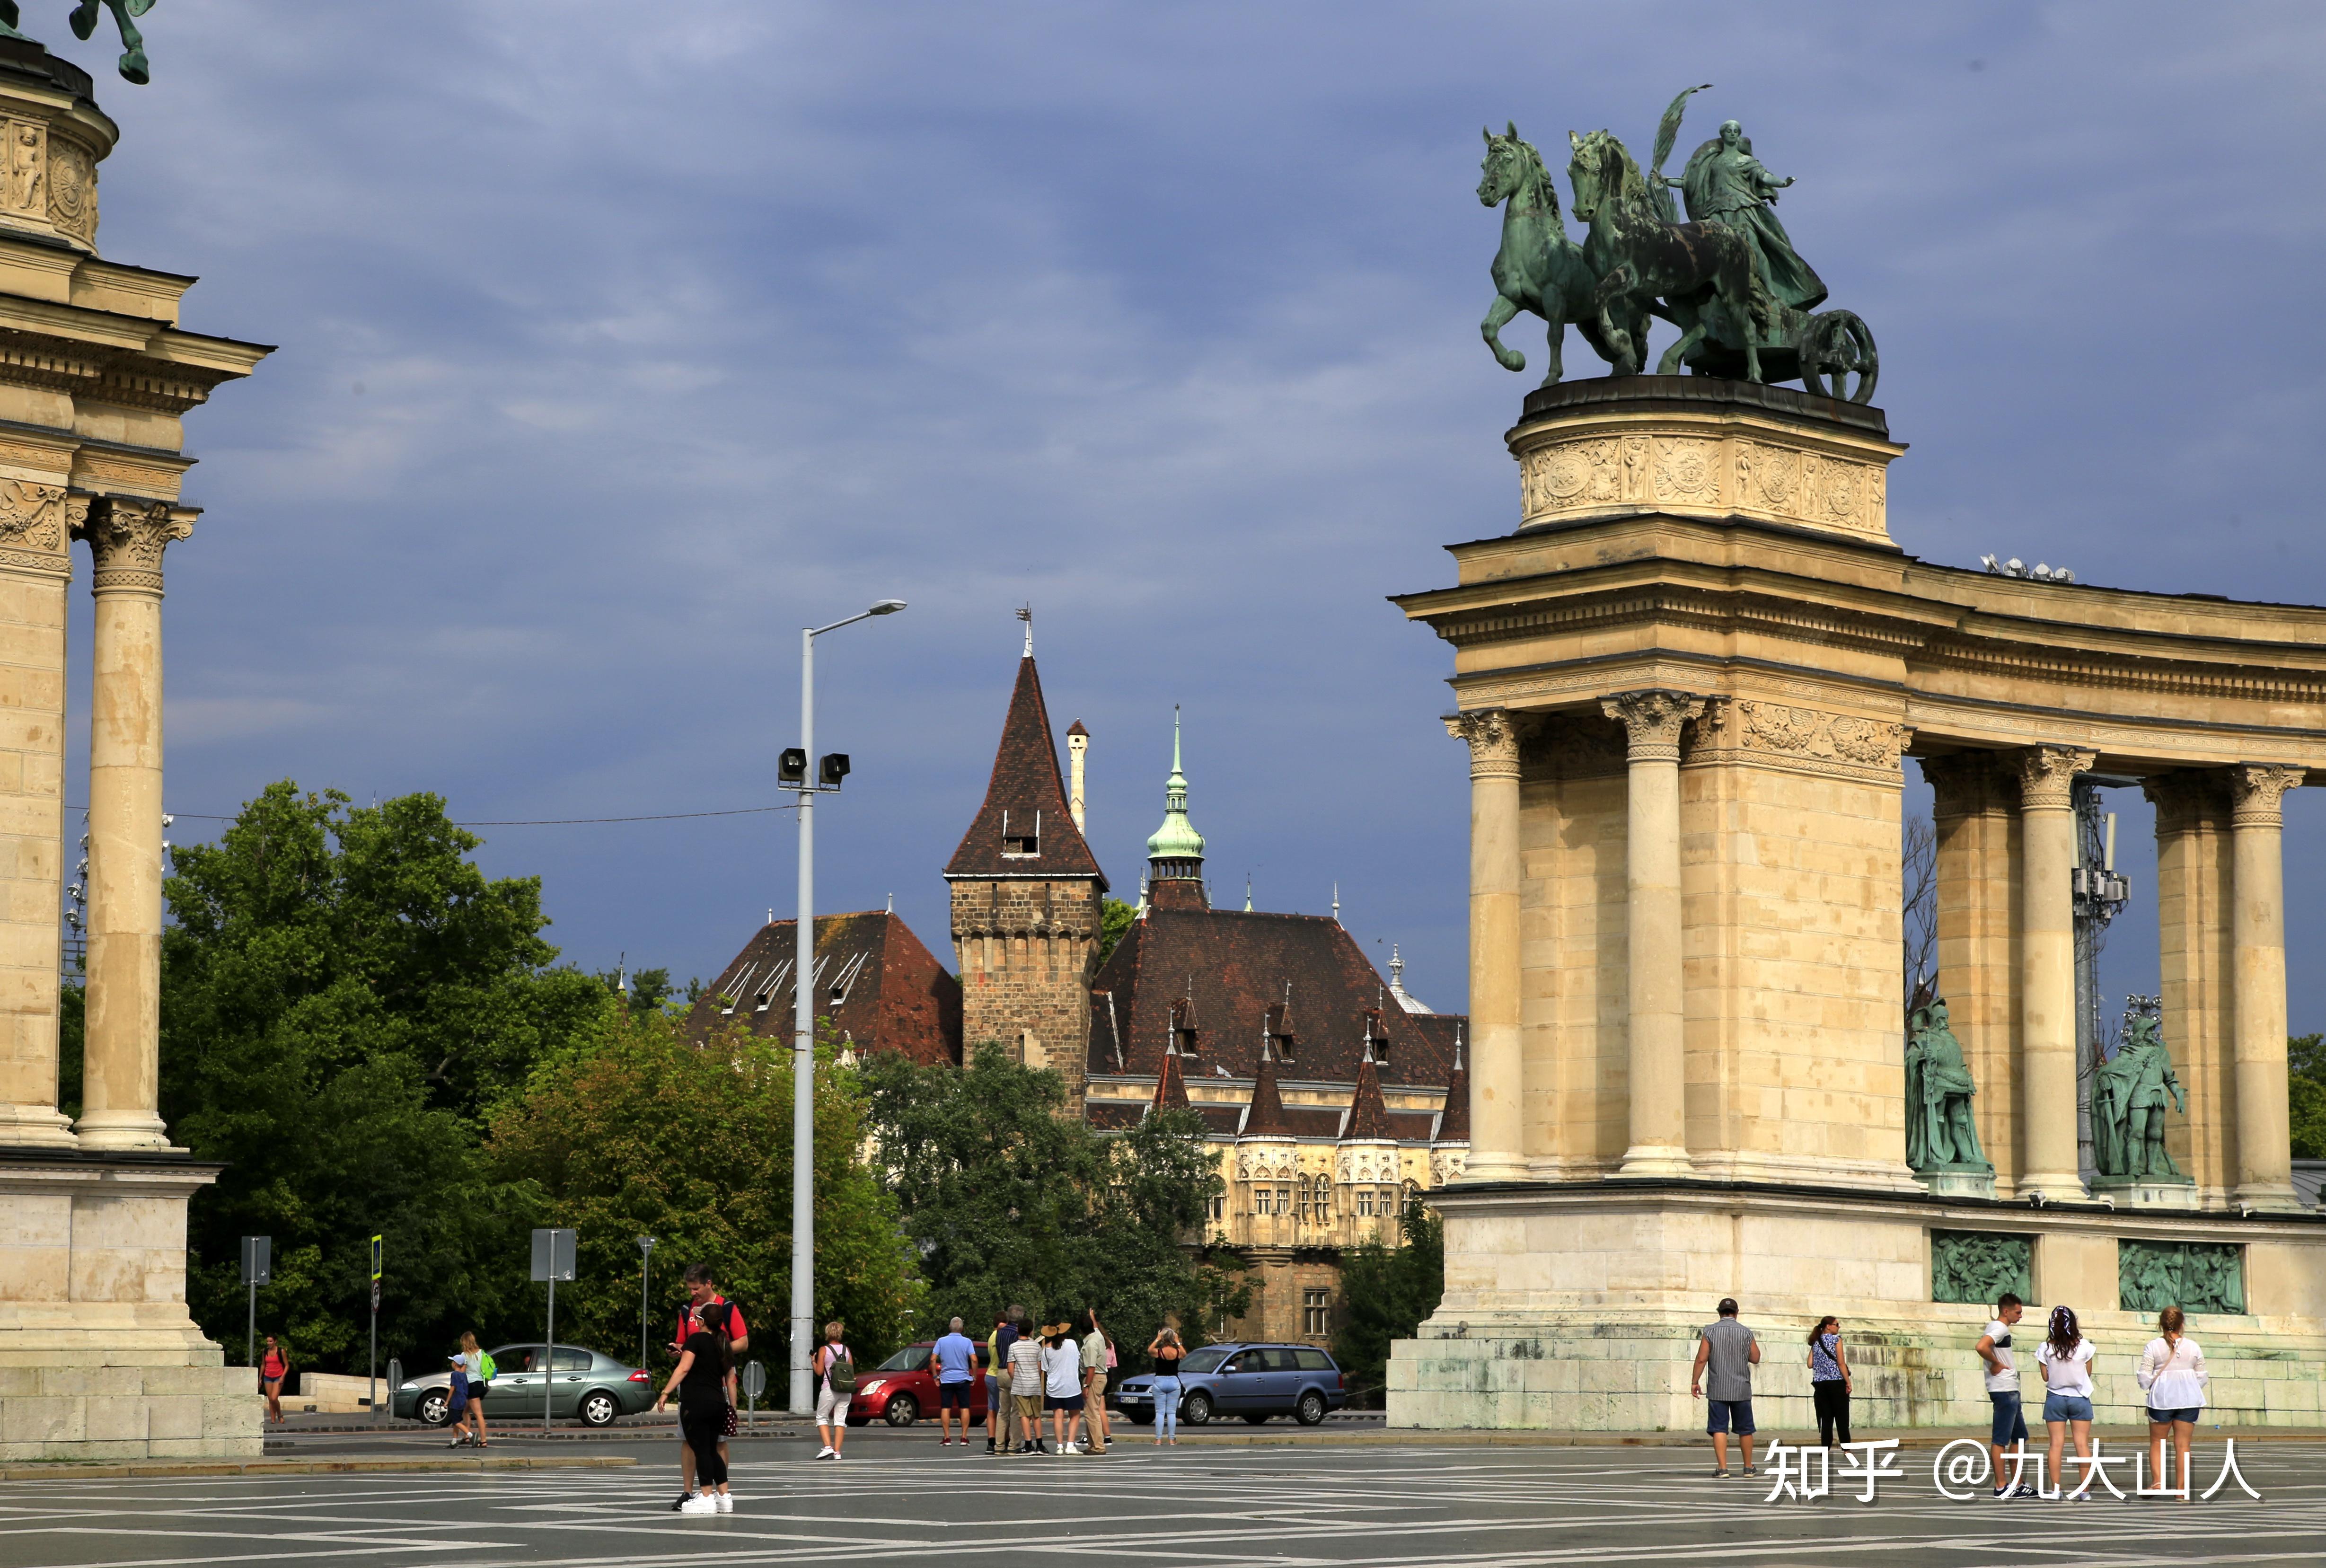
(700, 1503)
(726, 1502)
(823, 1453)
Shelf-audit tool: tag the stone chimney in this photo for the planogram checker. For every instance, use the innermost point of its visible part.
(1077, 746)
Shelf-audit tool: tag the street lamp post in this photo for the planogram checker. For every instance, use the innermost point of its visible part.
(804, 1025)
(645, 1259)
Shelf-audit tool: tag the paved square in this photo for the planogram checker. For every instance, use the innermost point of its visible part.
(1311, 1504)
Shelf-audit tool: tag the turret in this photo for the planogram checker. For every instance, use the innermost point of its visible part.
(1175, 851)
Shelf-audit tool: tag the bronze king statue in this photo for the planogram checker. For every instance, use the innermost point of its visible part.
(1744, 301)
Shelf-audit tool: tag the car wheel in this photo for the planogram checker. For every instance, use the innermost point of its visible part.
(434, 1407)
(598, 1408)
(1310, 1411)
(1196, 1409)
(1141, 1417)
(903, 1411)
(1255, 1416)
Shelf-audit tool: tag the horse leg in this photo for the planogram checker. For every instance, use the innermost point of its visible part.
(1691, 334)
(1614, 287)
(1498, 316)
(1558, 337)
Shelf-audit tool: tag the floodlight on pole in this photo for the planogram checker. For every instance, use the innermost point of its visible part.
(804, 1014)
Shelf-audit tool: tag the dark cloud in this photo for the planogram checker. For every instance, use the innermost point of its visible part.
(680, 327)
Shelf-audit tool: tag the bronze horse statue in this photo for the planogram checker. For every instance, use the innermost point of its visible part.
(1538, 269)
(1696, 270)
(132, 63)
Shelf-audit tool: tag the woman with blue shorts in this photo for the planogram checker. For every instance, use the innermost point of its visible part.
(2065, 1361)
(2173, 1371)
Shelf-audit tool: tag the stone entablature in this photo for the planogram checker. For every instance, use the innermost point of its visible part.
(1583, 454)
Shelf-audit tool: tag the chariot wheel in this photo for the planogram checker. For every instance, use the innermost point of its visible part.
(1834, 345)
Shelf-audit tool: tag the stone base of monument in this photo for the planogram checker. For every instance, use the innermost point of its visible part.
(99, 1357)
(1574, 1306)
(2130, 1193)
(1957, 1183)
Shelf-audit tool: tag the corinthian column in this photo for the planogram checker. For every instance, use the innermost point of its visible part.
(121, 1086)
(2264, 1171)
(1657, 1145)
(1497, 1087)
(2047, 987)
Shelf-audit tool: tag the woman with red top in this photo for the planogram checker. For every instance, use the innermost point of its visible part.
(273, 1368)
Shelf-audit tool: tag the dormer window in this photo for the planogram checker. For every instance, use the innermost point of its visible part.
(1183, 1027)
(1021, 840)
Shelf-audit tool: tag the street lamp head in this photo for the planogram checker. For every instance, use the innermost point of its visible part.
(646, 1244)
(886, 606)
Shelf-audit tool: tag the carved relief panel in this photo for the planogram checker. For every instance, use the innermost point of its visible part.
(1756, 474)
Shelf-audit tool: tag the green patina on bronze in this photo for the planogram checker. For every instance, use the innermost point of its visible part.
(1728, 277)
(1940, 1135)
(132, 62)
(1978, 1267)
(2129, 1094)
(2194, 1275)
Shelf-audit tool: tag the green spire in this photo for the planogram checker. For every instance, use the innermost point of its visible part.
(1176, 847)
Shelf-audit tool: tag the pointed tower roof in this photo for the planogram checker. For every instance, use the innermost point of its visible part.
(1170, 1083)
(1266, 1117)
(1368, 1114)
(1177, 839)
(1025, 804)
(1453, 1126)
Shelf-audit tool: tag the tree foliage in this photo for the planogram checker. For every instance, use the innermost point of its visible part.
(640, 1131)
(1115, 918)
(1386, 1293)
(344, 994)
(2305, 1075)
(1009, 1201)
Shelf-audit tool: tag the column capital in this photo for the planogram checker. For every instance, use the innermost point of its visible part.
(127, 536)
(2257, 794)
(2184, 798)
(1653, 720)
(2047, 776)
(1493, 737)
(1962, 784)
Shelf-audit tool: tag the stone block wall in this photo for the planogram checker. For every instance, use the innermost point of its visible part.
(1027, 951)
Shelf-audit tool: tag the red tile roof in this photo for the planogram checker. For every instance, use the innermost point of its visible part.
(1028, 796)
(880, 987)
(1454, 1127)
(1368, 1116)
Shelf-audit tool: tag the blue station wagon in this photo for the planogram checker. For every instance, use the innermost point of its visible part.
(1253, 1381)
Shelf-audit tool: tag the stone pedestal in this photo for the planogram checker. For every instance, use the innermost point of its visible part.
(2129, 1193)
(98, 1355)
(1957, 1183)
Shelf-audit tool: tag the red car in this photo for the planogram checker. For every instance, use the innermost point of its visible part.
(904, 1388)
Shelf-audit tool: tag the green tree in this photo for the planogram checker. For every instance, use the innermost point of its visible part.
(1008, 1201)
(640, 1131)
(1385, 1293)
(2306, 1084)
(343, 994)
(1115, 918)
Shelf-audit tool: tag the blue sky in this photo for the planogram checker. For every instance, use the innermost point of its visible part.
(619, 342)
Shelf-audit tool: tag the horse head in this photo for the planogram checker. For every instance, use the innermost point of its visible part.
(1603, 171)
(1509, 164)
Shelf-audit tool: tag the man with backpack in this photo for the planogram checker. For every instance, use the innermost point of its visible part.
(999, 1406)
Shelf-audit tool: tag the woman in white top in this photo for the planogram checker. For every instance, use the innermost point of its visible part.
(2173, 1371)
(1062, 1379)
(2065, 1359)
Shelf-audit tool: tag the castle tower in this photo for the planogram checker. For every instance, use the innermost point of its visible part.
(1025, 900)
(1175, 851)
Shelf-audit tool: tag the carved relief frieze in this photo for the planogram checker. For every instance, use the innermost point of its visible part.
(27, 187)
(1808, 482)
(1810, 739)
(32, 515)
(72, 189)
(1687, 470)
(108, 472)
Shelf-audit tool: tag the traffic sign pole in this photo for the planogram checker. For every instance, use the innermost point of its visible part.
(375, 1328)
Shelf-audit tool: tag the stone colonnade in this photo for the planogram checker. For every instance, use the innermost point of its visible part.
(122, 1043)
(2006, 860)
